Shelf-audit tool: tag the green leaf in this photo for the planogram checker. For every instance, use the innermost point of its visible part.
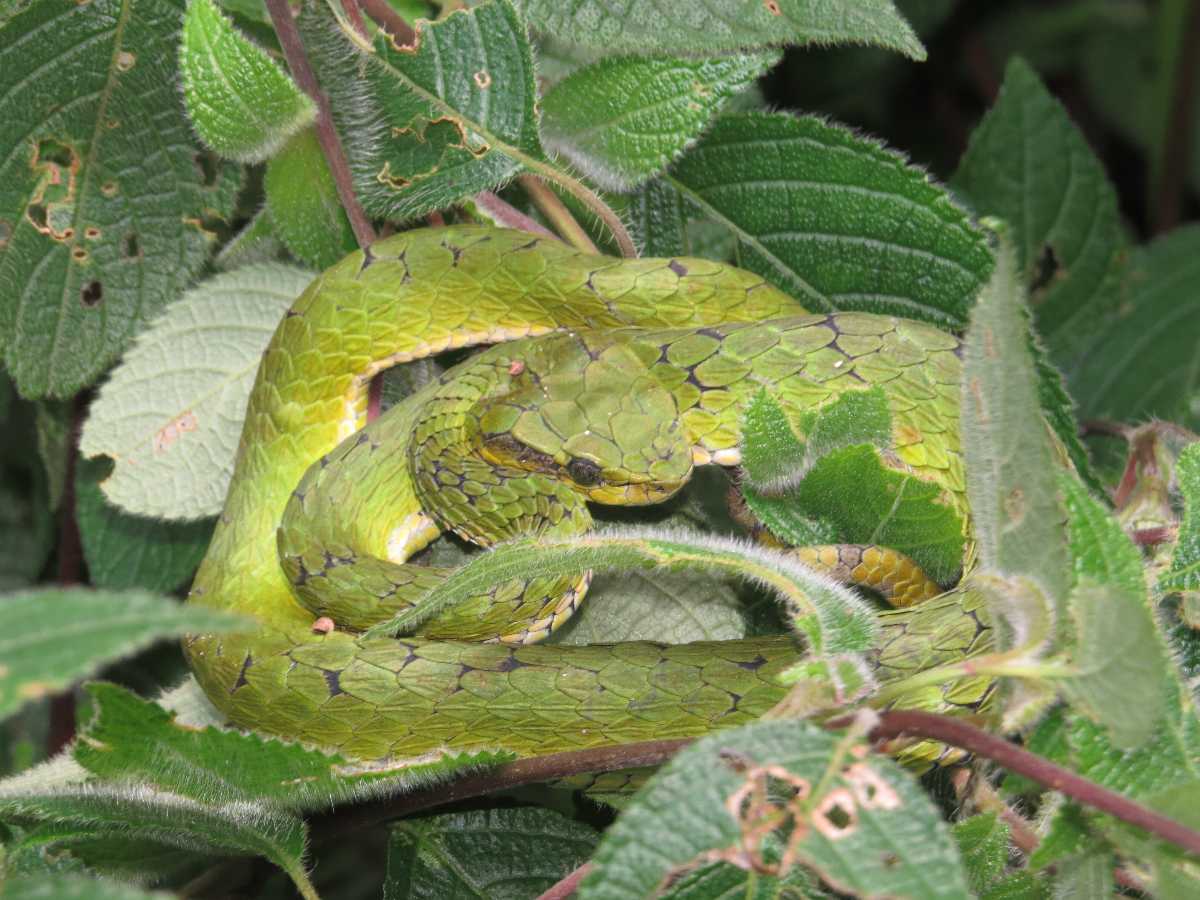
(171, 414)
(1011, 480)
(1119, 655)
(75, 887)
(670, 608)
(304, 205)
(833, 218)
(707, 26)
(57, 635)
(984, 847)
(1088, 875)
(860, 821)
(491, 854)
(1030, 166)
(1118, 662)
(139, 813)
(831, 617)
(104, 192)
(1145, 360)
(869, 503)
(771, 451)
(131, 738)
(1185, 564)
(124, 551)
(240, 101)
(625, 119)
(431, 125)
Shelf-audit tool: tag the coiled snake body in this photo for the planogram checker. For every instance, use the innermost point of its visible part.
(424, 291)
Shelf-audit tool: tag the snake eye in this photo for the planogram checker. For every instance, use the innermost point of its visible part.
(583, 471)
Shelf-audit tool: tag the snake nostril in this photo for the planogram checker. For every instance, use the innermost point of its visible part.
(583, 471)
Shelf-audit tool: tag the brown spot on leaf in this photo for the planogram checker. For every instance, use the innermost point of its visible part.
(869, 788)
(1014, 506)
(125, 61)
(91, 294)
(484, 79)
(109, 189)
(91, 232)
(172, 431)
(772, 6)
(836, 816)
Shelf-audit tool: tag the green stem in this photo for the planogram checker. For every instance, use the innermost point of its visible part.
(557, 214)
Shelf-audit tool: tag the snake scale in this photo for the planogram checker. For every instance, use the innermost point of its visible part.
(422, 292)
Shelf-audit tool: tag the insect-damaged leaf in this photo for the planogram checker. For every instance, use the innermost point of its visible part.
(102, 190)
(860, 821)
(438, 121)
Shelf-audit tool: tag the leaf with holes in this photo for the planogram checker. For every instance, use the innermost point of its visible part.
(172, 412)
(103, 194)
(240, 101)
(832, 218)
(624, 119)
(860, 821)
(710, 26)
(440, 121)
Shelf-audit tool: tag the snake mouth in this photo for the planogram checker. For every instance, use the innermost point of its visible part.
(633, 493)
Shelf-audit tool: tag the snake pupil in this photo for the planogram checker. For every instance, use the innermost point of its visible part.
(583, 471)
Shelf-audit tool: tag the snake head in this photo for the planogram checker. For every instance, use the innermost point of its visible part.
(596, 420)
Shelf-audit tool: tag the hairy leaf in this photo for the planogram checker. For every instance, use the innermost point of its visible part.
(492, 853)
(433, 124)
(131, 738)
(137, 812)
(304, 205)
(625, 119)
(832, 618)
(56, 635)
(171, 414)
(240, 101)
(1029, 165)
(102, 192)
(983, 842)
(1185, 565)
(860, 821)
(671, 608)
(75, 887)
(1010, 465)
(833, 218)
(706, 26)
(1145, 360)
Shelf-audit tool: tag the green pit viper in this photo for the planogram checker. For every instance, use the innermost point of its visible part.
(599, 413)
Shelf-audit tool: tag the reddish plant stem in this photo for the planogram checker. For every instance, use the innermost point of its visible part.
(534, 770)
(69, 571)
(956, 733)
(297, 60)
(390, 21)
(891, 724)
(568, 885)
(509, 216)
(1176, 147)
(354, 14)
